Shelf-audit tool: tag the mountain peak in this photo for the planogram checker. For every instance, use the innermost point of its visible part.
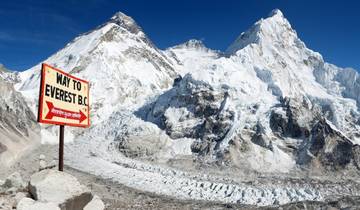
(276, 12)
(273, 29)
(119, 16)
(126, 22)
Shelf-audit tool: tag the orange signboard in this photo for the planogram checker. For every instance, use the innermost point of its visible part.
(64, 99)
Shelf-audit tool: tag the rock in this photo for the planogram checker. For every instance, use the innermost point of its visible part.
(356, 155)
(42, 157)
(5, 203)
(329, 147)
(14, 180)
(11, 191)
(260, 137)
(193, 109)
(59, 188)
(3, 148)
(42, 162)
(293, 118)
(52, 164)
(42, 165)
(95, 204)
(19, 196)
(30, 204)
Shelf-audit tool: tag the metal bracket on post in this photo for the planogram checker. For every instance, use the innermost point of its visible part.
(61, 148)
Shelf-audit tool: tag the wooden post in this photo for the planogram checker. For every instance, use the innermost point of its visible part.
(61, 148)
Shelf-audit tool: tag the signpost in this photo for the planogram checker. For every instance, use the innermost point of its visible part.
(63, 100)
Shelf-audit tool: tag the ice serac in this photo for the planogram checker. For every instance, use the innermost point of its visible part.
(123, 66)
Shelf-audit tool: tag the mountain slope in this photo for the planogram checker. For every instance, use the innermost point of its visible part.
(123, 66)
(267, 105)
(18, 127)
(121, 63)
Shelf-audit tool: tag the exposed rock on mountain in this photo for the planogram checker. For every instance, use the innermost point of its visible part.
(8, 76)
(293, 118)
(193, 109)
(330, 149)
(18, 127)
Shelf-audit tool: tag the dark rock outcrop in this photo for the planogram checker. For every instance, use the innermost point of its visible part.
(193, 109)
(293, 118)
(330, 149)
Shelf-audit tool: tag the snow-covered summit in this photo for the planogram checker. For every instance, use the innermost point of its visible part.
(275, 12)
(273, 30)
(126, 22)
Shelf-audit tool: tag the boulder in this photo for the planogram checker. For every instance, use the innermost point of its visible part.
(95, 204)
(42, 157)
(19, 196)
(11, 191)
(30, 204)
(42, 165)
(60, 188)
(14, 181)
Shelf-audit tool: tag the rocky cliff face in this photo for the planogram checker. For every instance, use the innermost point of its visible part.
(193, 109)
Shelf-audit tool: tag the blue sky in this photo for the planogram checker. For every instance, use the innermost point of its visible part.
(32, 30)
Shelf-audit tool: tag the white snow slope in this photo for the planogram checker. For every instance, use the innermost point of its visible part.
(128, 73)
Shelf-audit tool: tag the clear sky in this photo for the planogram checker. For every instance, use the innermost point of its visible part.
(32, 30)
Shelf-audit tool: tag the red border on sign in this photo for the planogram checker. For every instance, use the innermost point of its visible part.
(41, 95)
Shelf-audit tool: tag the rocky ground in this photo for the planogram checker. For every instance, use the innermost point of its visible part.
(117, 196)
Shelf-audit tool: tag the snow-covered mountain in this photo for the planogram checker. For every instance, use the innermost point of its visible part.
(267, 104)
(279, 90)
(121, 63)
(255, 105)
